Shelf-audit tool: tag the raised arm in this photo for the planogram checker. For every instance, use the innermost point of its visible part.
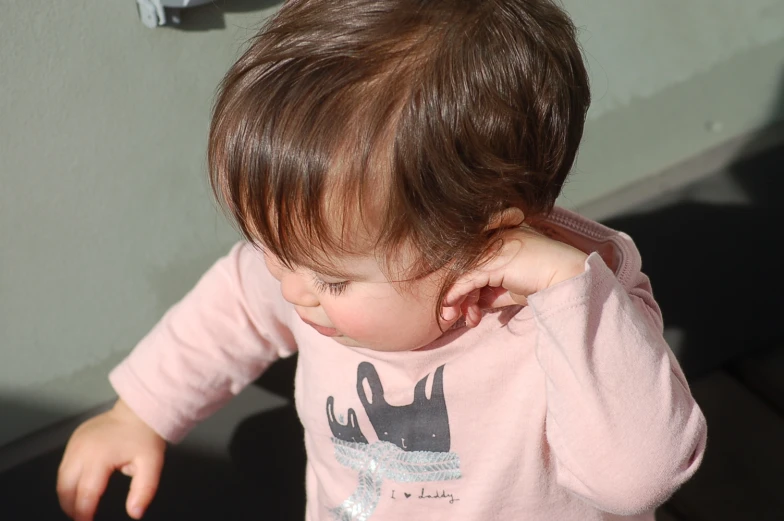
(621, 421)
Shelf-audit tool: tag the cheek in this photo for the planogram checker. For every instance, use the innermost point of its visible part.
(381, 320)
(363, 318)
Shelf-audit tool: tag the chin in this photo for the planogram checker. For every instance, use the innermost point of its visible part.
(399, 348)
(391, 349)
(346, 341)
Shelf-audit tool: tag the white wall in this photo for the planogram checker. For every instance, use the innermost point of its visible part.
(105, 213)
(672, 79)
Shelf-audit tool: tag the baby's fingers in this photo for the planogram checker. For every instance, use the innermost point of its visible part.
(470, 308)
(92, 484)
(493, 298)
(67, 481)
(465, 295)
(146, 474)
(463, 289)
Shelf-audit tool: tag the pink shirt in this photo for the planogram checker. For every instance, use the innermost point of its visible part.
(572, 408)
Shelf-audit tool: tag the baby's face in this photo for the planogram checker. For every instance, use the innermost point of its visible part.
(362, 308)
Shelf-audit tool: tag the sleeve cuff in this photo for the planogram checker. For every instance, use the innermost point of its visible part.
(141, 401)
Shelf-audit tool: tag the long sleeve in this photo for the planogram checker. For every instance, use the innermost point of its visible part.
(208, 347)
(622, 424)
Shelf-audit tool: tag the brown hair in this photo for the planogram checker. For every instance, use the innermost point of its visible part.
(425, 118)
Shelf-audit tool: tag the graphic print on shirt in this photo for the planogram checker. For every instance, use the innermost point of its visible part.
(413, 441)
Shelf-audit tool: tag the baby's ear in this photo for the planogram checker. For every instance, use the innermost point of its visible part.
(508, 218)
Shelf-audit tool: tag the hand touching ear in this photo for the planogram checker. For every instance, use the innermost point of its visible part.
(526, 262)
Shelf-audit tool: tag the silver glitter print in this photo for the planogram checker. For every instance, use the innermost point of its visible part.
(383, 460)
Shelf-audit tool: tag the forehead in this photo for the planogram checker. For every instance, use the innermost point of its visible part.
(336, 242)
(349, 249)
(314, 217)
(353, 267)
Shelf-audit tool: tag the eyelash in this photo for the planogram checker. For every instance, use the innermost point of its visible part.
(334, 288)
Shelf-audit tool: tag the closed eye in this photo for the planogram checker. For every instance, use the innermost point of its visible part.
(334, 288)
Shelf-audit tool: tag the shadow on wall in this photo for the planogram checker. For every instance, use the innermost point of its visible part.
(715, 267)
(210, 16)
(264, 477)
(14, 413)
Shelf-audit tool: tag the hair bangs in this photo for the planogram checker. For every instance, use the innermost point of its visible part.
(304, 170)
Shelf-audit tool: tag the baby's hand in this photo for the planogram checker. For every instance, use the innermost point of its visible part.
(115, 440)
(527, 262)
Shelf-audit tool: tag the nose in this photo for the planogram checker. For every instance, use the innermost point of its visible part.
(295, 289)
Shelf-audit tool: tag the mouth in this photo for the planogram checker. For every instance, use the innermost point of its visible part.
(326, 331)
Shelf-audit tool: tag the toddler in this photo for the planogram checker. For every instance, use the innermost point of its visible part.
(467, 350)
